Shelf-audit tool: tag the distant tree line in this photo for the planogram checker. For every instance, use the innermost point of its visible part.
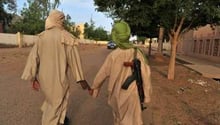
(33, 15)
(91, 32)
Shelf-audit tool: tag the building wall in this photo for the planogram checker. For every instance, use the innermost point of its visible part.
(201, 43)
(81, 28)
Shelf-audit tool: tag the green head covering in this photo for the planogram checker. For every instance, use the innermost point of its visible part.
(120, 35)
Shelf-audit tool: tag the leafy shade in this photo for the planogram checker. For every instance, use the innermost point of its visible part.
(7, 9)
(145, 16)
(33, 16)
(193, 13)
(138, 13)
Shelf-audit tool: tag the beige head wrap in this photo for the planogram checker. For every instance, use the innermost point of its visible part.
(55, 19)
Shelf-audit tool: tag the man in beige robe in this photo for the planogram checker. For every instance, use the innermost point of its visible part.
(125, 103)
(53, 55)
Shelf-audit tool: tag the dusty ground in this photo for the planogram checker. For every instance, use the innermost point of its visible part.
(190, 99)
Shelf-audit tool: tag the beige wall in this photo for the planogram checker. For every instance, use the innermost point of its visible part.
(27, 40)
(17, 39)
(6, 38)
(154, 44)
(81, 28)
(201, 43)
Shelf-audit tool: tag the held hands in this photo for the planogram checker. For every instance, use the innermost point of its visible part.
(91, 92)
(84, 84)
(36, 85)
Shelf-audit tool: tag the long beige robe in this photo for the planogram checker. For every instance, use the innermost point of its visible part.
(54, 53)
(125, 103)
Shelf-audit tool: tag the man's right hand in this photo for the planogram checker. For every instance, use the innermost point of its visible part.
(36, 85)
(90, 92)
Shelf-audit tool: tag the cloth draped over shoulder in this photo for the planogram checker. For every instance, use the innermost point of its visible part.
(54, 54)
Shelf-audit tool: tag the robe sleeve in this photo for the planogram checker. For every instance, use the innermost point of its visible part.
(102, 74)
(146, 77)
(74, 61)
(31, 67)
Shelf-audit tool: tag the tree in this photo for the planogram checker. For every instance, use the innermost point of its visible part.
(47, 5)
(32, 21)
(7, 9)
(71, 26)
(33, 16)
(179, 16)
(176, 16)
(100, 34)
(91, 32)
(138, 13)
(89, 29)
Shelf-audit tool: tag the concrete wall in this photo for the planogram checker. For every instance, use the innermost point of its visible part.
(27, 40)
(154, 44)
(17, 39)
(202, 43)
(10, 39)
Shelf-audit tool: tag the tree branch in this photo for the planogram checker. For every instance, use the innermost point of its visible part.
(180, 25)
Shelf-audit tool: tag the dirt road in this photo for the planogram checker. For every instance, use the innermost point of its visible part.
(190, 99)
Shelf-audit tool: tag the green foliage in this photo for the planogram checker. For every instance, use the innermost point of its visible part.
(90, 32)
(32, 21)
(7, 8)
(141, 38)
(71, 26)
(33, 17)
(100, 34)
(138, 13)
(8, 5)
(145, 16)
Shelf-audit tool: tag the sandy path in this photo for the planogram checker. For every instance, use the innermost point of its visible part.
(179, 102)
(20, 105)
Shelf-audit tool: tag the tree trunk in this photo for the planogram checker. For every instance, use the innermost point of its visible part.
(174, 37)
(160, 40)
(149, 50)
(171, 68)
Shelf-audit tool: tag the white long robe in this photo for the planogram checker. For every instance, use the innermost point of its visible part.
(52, 56)
(125, 103)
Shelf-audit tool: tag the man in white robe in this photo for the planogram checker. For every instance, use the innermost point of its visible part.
(53, 55)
